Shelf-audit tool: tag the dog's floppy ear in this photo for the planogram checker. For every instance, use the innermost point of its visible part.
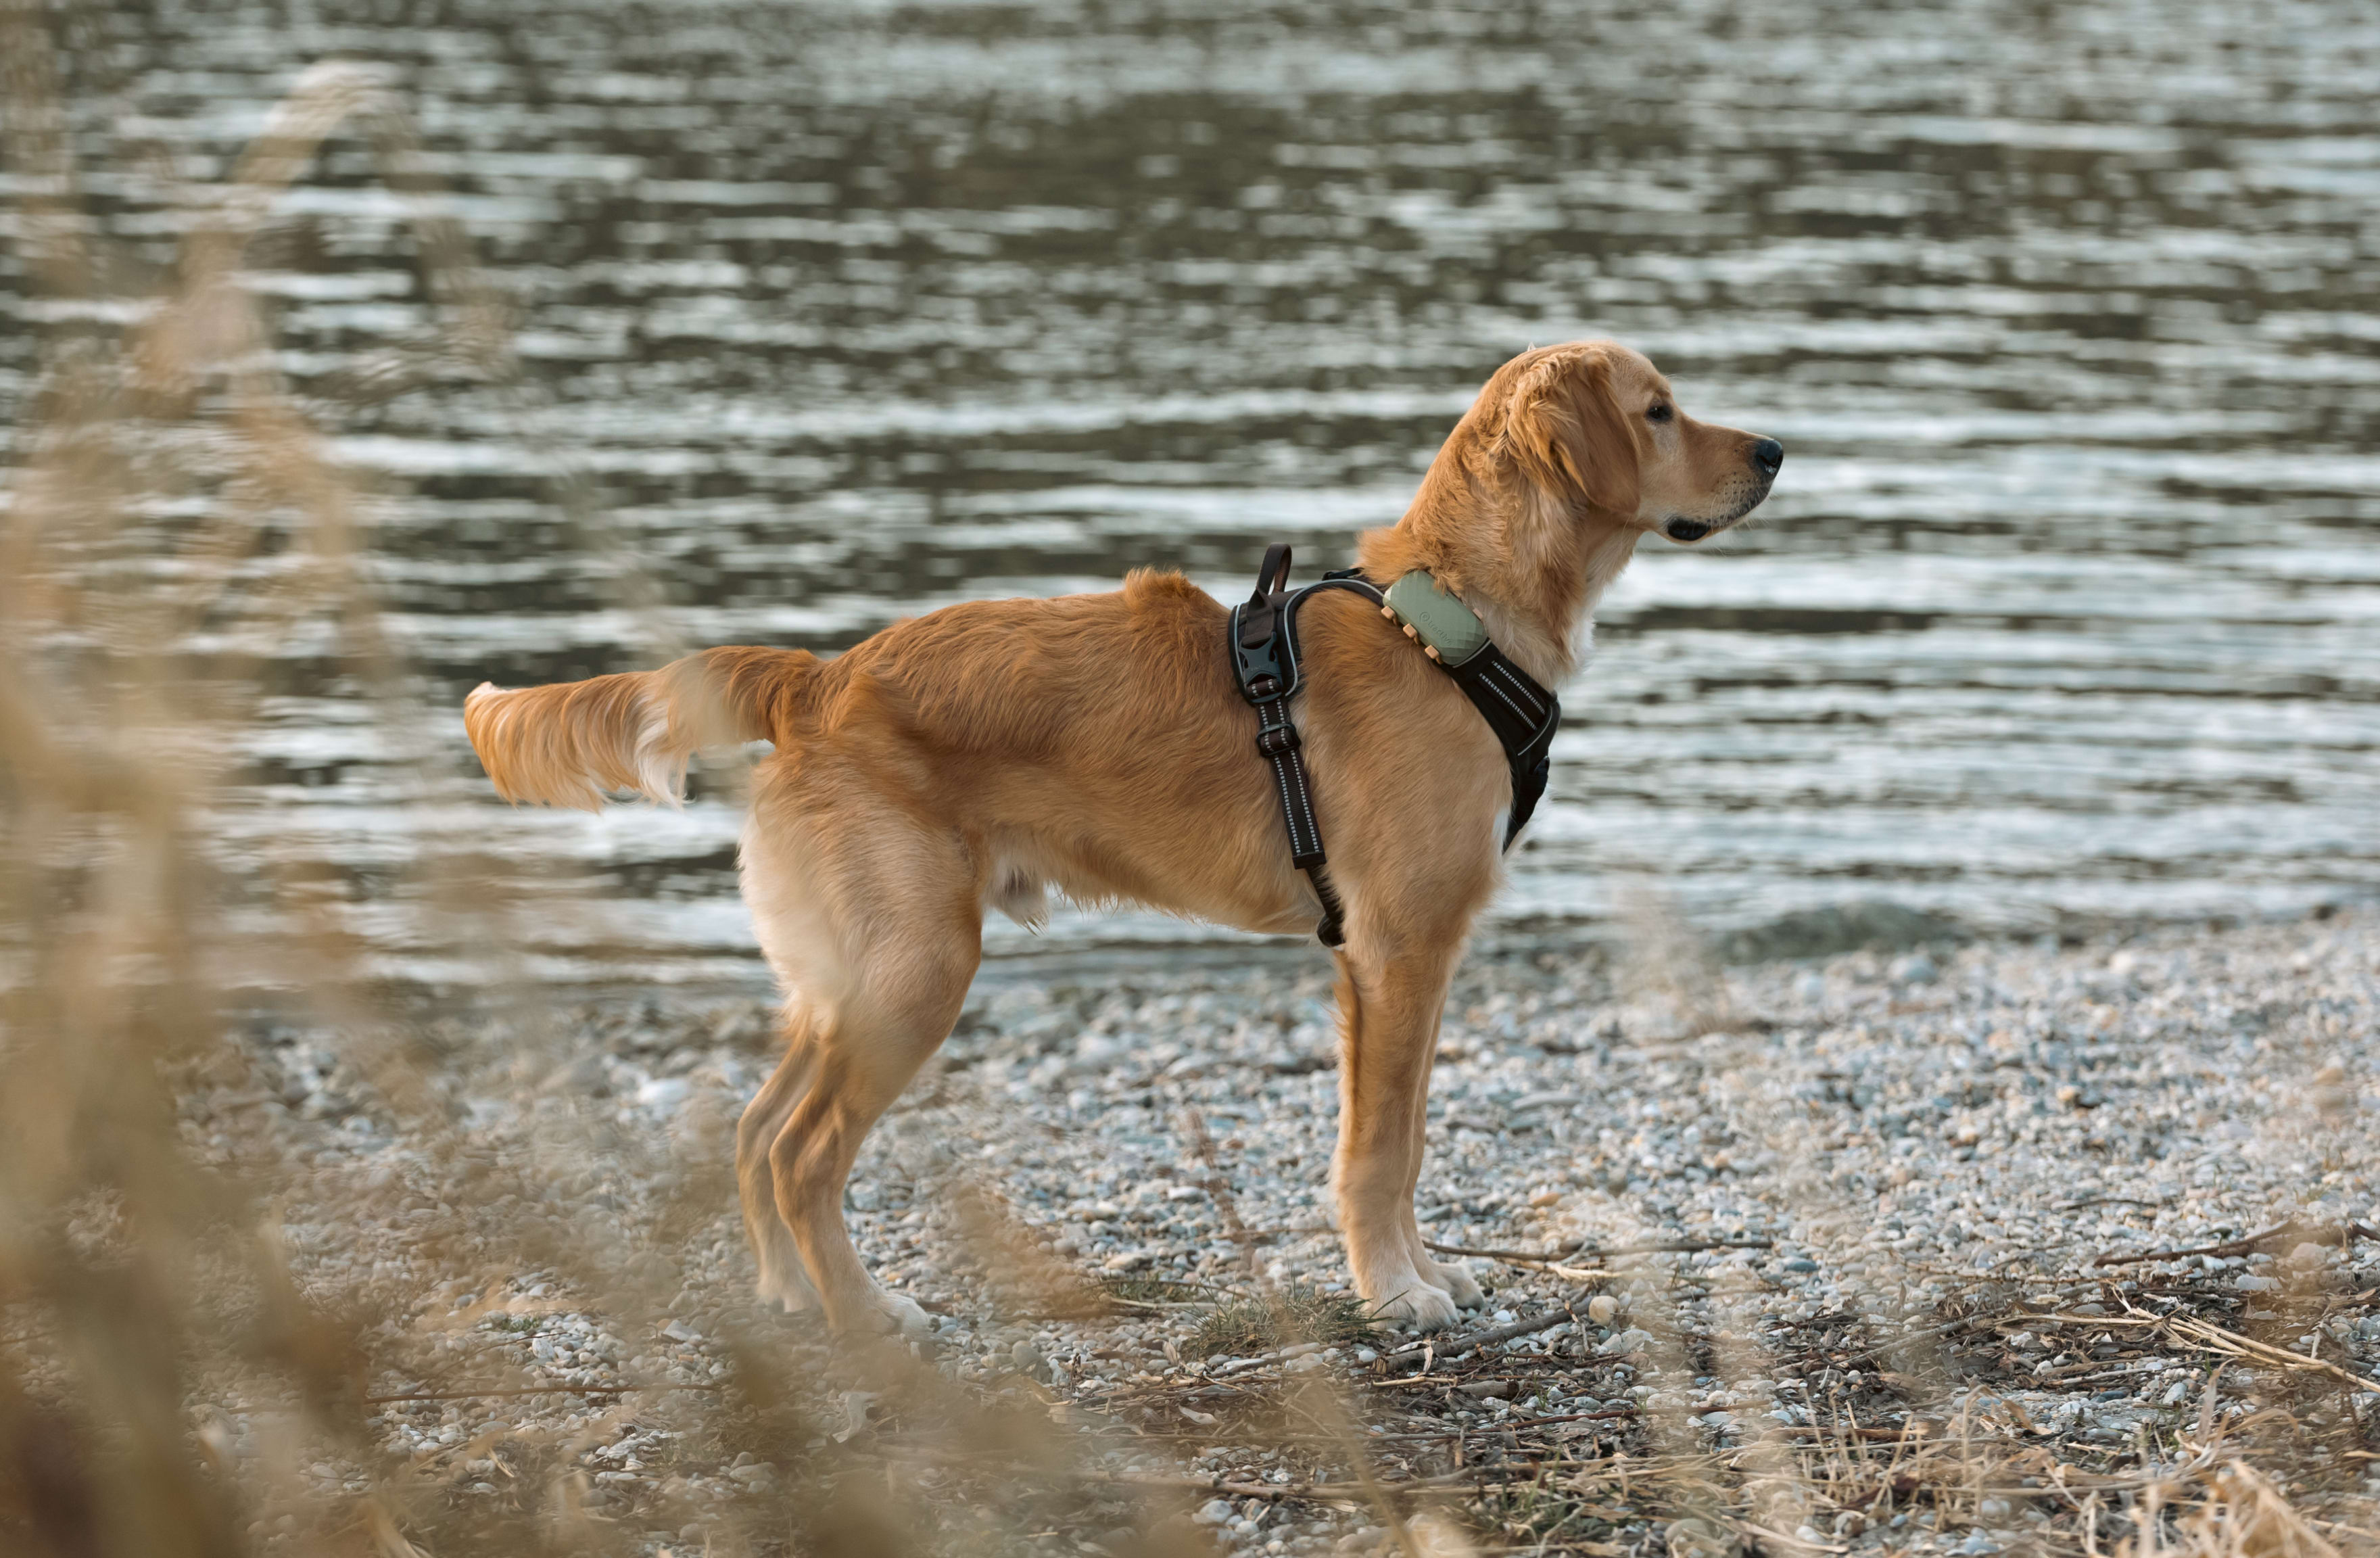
(1564, 429)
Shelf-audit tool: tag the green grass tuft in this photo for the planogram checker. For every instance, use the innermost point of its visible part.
(1242, 1326)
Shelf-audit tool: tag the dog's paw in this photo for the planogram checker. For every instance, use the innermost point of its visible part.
(1417, 1307)
(1456, 1275)
(796, 1300)
(794, 1295)
(891, 1312)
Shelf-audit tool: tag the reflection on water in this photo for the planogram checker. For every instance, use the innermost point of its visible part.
(2069, 318)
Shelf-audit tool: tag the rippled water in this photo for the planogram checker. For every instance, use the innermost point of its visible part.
(2068, 317)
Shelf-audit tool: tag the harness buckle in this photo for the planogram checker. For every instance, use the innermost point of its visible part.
(1275, 739)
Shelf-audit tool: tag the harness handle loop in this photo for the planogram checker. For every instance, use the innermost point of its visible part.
(1261, 617)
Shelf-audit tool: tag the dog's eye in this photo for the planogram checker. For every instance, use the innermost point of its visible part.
(1660, 413)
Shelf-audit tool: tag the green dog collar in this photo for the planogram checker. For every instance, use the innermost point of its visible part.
(1448, 631)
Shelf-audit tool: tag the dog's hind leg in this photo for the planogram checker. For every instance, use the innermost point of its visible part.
(890, 936)
(1389, 1005)
(867, 1054)
(784, 1279)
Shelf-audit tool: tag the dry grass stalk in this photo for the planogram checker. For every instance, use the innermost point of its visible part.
(2243, 1515)
(171, 492)
(1321, 1404)
(1668, 962)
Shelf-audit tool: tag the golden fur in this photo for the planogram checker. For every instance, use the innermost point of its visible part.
(984, 754)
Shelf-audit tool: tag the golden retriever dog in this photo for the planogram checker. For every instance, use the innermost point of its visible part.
(986, 753)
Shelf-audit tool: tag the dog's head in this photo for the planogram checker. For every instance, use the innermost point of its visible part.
(1594, 425)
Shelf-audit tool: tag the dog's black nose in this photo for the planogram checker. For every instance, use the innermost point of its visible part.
(1769, 455)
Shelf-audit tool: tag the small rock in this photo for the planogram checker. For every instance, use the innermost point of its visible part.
(1696, 1538)
(1490, 1390)
(1361, 1542)
(1627, 1344)
(1601, 1308)
(1027, 1357)
(587, 1076)
(2248, 1282)
(1214, 1511)
(663, 1092)
(855, 1413)
(1915, 969)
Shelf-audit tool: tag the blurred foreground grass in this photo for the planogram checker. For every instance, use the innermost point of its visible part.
(168, 1383)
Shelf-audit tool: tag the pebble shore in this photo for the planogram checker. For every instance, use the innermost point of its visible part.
(1899, 1190)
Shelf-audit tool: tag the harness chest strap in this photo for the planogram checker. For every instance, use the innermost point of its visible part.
(1264, 659)
(1263, 638)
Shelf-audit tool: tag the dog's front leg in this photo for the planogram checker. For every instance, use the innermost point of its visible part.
(1388, 1005)
(1452, 1276)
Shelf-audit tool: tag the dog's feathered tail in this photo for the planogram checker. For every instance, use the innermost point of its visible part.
(574, 743)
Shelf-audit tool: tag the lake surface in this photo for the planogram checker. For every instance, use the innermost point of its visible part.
(2067, 603)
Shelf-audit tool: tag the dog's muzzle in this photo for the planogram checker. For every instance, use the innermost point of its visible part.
(1766, 456)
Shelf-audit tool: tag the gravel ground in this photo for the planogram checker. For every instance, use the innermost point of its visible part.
(1826, 1254)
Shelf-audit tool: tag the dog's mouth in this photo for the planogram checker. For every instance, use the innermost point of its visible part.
(1678, 528)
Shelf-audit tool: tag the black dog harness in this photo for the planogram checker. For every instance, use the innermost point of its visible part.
(1264, 659)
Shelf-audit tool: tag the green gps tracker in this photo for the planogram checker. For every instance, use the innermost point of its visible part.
(1448, 631)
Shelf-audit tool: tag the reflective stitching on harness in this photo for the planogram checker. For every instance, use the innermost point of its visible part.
(1507, 696)
(1288, 776)
(1305, 808)
(1535, 713)
(1280, 777)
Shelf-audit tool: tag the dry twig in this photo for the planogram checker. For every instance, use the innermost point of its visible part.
(2305, 1232)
